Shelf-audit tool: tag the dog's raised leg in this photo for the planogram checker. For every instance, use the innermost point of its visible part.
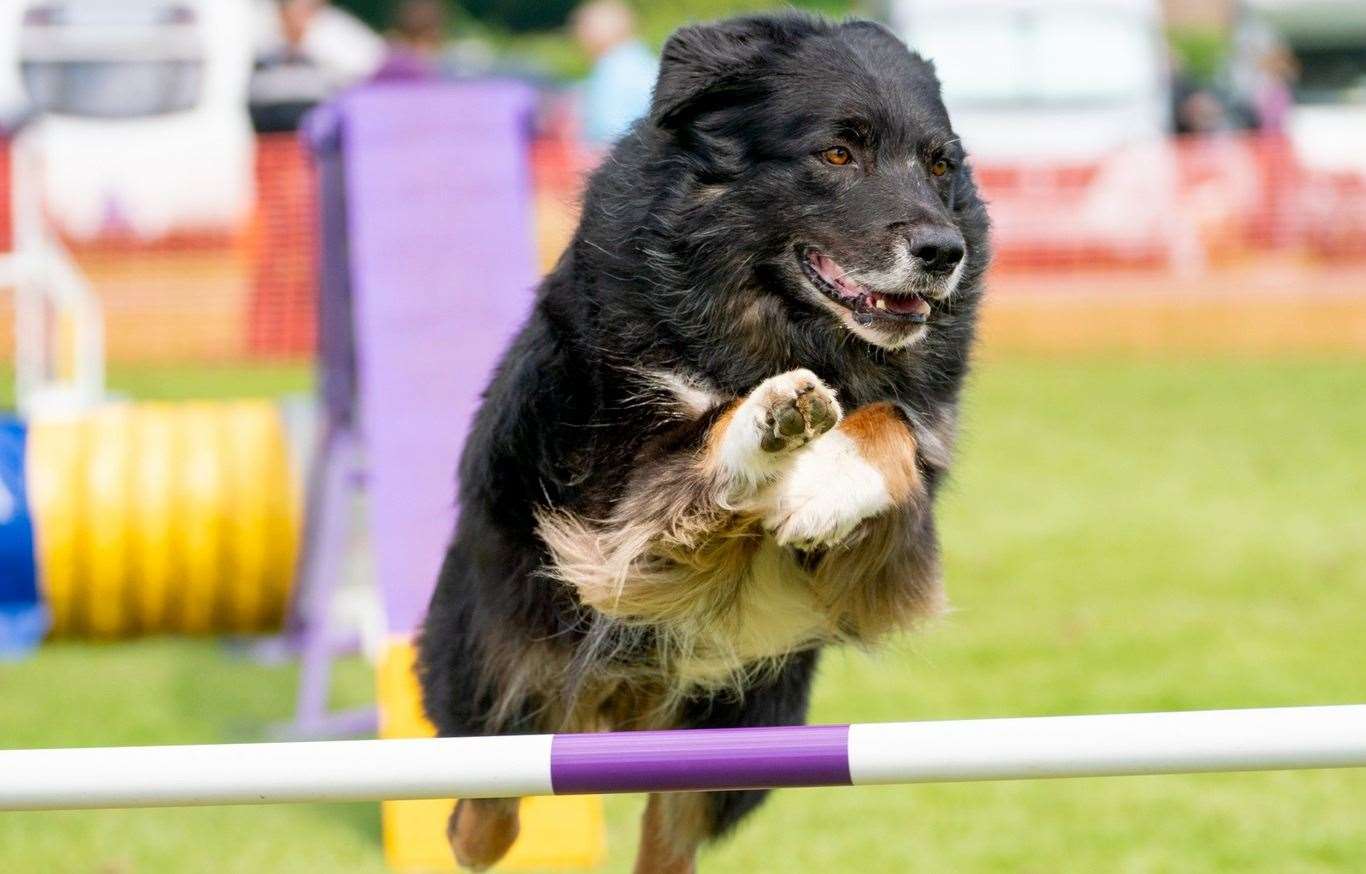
(865, 467)
(754, 440)
(857, 502)
(482, 830)
(665, 544)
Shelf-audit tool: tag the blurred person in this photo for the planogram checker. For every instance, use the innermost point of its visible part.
(338, 42)
(1200, 111)
(307, 50)
(420, 27)
(1273, 96)
(1196, 107)
(420, 45)
(1262, 73)
(617, 91)
(416, 41)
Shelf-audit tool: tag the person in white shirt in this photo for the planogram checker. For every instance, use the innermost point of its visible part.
(306, 51)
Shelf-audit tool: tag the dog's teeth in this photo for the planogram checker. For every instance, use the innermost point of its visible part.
(881, 303)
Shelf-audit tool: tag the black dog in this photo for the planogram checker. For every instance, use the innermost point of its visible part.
(714, 446)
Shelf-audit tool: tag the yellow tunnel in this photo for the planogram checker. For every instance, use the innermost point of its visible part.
(159, 518)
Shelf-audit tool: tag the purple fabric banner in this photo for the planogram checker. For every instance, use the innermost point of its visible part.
(720, 758)
(438, 201)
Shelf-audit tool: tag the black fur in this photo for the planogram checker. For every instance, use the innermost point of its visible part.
(693, 222)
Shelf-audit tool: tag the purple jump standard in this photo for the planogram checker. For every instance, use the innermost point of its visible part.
(740, 758)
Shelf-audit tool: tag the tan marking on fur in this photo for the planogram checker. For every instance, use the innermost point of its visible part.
(757, 314)
(482, 830)
(885, 440)
(521, 670)
(539, 684)
(716, 436)
(757, 323)
(706, 193)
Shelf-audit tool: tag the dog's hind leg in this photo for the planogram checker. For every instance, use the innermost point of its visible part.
(482, 830)
(676, 824)
(672, 828)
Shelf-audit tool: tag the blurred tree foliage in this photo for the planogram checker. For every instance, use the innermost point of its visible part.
(520, 15)
(658, 17)
(1201, 52)
(658, 20)
(546, 49)
(376, 13)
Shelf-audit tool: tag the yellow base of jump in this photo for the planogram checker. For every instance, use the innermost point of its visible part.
(557, 833)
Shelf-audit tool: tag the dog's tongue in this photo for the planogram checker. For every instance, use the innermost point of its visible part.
(901, 304)
(833, 273)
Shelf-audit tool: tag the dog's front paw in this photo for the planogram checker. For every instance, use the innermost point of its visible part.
(784, 413)
(826, 493)
(793, 409)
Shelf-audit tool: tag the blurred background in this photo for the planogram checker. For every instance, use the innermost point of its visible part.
(1160, 499)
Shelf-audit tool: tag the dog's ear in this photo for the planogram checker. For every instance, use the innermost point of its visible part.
(707, 66)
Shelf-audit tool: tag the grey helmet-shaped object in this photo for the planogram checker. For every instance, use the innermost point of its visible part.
(112, 58)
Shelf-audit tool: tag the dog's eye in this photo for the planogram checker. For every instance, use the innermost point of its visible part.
(940, 167)
(837, 155)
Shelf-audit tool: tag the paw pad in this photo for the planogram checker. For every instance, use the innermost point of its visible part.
(795, 419)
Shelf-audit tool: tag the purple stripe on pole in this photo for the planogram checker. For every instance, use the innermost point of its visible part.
(716, 758)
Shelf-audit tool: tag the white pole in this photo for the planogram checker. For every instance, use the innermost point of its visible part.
(1116, 745)
(49, 289)
(267, 773)
(916, 752)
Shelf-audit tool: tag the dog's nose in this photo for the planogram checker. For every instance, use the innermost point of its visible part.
(936, 248)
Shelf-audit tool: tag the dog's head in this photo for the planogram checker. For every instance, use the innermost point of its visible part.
(824, 154)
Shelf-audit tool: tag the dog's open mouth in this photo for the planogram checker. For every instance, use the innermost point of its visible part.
(832, 281)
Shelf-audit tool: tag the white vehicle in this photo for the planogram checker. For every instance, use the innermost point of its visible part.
(130, 114)
(1328, 38)
(144, 110)
(1044, 78)
(112, 61)
(1067, 103)
(1328, 123)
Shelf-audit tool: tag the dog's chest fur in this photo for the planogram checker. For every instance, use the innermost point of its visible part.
(773, 611)
(714, 611)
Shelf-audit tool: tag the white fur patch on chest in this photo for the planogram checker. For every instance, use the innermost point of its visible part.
(829, 489)
(693, 396)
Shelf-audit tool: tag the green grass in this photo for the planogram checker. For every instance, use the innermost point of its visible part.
(1120, 536)
(183, 382)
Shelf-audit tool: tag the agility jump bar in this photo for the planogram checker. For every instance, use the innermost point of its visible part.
(683, 760)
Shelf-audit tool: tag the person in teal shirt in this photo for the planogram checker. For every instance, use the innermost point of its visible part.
(617, 91)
